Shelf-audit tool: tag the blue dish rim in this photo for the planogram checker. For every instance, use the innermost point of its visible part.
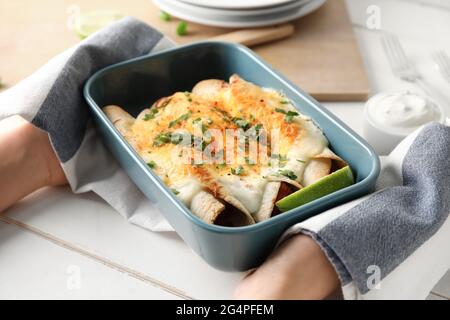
(186, 211)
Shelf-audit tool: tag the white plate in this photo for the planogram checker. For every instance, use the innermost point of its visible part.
(239, 21)
(225, 13)
(237, 4)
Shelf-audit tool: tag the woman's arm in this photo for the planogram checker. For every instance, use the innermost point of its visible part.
(27, 161)
(298, 269)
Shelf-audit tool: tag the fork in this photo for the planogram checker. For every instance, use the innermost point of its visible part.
(442, 60)
(403, 68)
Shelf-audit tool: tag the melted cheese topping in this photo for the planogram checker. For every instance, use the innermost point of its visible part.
(284, 139)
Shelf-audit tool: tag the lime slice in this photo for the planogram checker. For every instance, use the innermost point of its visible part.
(337, 180)
(90, 22)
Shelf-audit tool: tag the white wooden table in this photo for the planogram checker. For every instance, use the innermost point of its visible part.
(55, 244)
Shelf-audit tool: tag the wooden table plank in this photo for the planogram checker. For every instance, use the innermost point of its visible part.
(322, 57)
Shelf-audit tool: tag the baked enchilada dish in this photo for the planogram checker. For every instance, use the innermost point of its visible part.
(229, 150)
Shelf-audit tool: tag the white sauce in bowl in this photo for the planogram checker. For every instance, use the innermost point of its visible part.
(402, 113)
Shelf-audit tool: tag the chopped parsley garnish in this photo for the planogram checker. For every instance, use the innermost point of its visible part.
(161, 139)
(284, 102)
(196, 120)
(151, 115)
(301, 161)
(151, 164)
(254, 132)
(199, 144)
(290, 116)
(182, 28)
(188, 96)
(223, 113)
(280, 157)
(164, 16)
(176, 138)
(288, 174)
(179, 119)
(175, 191)
(241, 123)
(237, 171)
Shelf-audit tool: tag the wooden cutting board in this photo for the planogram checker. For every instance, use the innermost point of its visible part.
(321, 57)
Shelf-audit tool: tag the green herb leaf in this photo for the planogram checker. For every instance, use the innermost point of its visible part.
(179, 119)
(284, 102)
(182, 28)
(237, 171)
(164, 16)
(258, 127)
(301, 161)
(188, 96)
(175, 191)
(161, 139)
(151, 115)
(151, 164)
(288, 174)
(280, 110)
(241, 123)
(176, 138)
(290, 116)
(199, 144)
(197, 120)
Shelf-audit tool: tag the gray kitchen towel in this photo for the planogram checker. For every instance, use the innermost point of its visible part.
(374, 235)
(52, 99)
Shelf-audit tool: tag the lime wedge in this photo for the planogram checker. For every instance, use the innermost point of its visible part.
(337, 180)
(90, 22)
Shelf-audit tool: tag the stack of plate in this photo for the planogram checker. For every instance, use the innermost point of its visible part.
(239, 13)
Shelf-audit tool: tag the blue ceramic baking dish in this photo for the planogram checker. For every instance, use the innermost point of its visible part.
(137, 83)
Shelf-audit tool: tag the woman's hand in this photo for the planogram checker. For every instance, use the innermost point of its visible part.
(27, 161)
(298, 269)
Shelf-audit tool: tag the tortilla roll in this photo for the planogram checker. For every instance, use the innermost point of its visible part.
(322, 165)
(121, 119)
(208, 88)
(268, 201)
(245, 218)
(206, 207)
(316, 169)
